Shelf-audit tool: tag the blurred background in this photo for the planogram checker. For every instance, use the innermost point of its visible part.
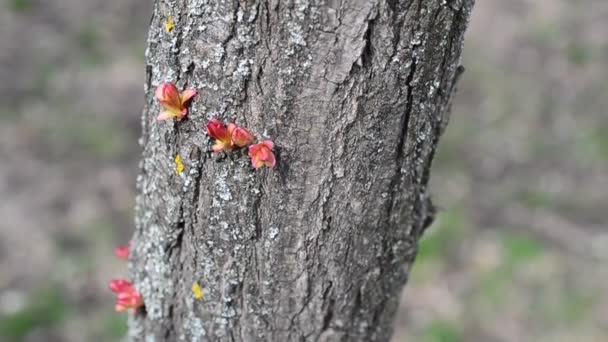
(519, 251)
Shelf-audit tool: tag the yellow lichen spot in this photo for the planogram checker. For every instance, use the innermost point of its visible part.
(197, 290)
(169, 24)
(179, 166)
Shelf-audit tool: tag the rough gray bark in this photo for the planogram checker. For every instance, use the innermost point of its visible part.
(355, 96)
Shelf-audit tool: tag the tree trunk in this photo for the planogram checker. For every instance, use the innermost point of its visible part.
(355, 95)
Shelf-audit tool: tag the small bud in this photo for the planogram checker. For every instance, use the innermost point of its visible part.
(221, 134)
(174, 103)
(126, 295)
(241, 137)
(261, 154)
(122, 252)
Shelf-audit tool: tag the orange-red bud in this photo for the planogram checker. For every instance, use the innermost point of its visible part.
(221, 134)
(228, 137)
(241, 137)
(173, 102)
(122, 252)
(261, 154)
(127, 296)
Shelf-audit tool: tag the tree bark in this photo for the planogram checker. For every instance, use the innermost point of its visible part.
(355, 95)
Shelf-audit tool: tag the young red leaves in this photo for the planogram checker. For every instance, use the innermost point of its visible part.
(122, 252)
(173, 102)
(227, 138)
(261, 154)
(241, 137)
(221, 134)
(126, 295)
(233, 136)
